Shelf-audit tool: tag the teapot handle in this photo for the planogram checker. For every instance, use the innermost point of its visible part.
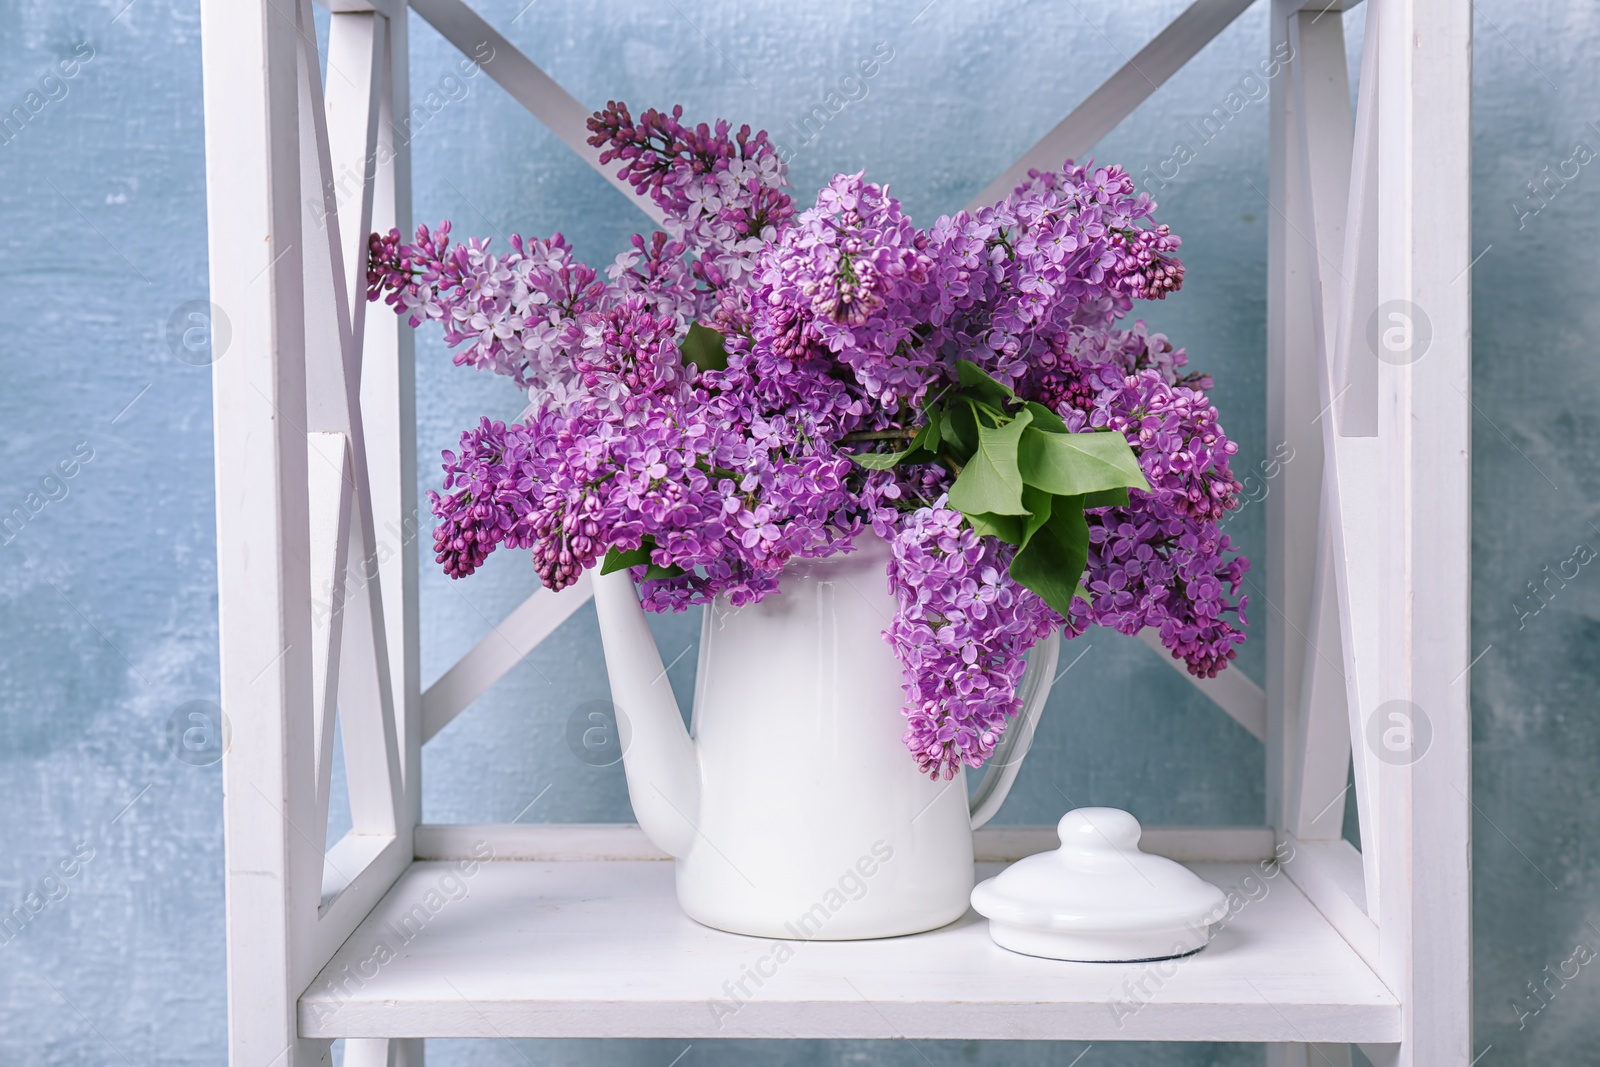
(1006, 761)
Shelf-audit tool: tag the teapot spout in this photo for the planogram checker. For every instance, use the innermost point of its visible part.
(657, 753)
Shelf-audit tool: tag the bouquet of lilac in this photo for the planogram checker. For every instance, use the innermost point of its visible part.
(757, 384)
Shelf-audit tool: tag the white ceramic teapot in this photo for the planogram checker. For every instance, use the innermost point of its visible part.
(791, 805)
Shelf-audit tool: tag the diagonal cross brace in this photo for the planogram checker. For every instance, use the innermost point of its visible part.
(529, 85)
(1118, 95)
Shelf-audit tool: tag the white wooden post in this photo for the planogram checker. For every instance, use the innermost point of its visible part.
(307, 633)
(1424, 415)
(1369, 580)
(274, 855)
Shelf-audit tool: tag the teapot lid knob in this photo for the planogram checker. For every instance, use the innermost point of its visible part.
(1099, 828)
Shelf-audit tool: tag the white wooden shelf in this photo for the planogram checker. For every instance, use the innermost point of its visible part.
(599, 948)
(574, 931)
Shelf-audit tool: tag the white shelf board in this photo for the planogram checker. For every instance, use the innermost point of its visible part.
(599, 949)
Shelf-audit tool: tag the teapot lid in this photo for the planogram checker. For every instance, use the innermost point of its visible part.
(1098, 897)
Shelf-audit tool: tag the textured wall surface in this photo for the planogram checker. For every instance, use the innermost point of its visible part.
(107, 582)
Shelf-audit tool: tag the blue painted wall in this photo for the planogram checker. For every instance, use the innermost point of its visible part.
(107, 576)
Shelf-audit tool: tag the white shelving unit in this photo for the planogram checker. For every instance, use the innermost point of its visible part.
(403, 931)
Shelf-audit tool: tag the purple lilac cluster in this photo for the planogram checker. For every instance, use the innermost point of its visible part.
(1067, 251)
(839, 324)
(1055, 258)
(961, 631)
(849, 283)
(646, 450)
(1163, 560)
(1142, 257)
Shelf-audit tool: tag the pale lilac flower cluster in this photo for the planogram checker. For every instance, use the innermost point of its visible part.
(723, 196)
(510, 312)
(839, 324)
(518, 314)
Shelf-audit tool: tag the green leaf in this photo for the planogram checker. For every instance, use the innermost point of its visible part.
(1008, 528)
(1106, 498)
(656, 570)
(1039, 504)
(990, 482)
(618, 559)
(1045, 419)
(703, 347)
(878, 461)
(1071, 464)
(958, 426)
(976, 382)
(1014, 529)
(922, 449)
(1052, 562)
(1082, 594)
